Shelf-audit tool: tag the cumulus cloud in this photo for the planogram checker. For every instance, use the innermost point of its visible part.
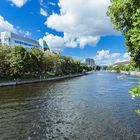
(27, 33)
(105, 54)
(105, 57)
(24, 33)
(18, 3)
(126, 56)
(6, 26)
(84, 22)
(90, 40)
(43, 12)
(55, 43)
(114, 55)
(58, 43)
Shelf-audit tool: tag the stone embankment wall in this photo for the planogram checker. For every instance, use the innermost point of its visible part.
(132, 73)
(39, 80)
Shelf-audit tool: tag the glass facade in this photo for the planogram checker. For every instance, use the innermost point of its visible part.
(12, 39)
(24, 43)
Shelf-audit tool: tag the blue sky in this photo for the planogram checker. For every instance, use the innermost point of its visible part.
(76, 28)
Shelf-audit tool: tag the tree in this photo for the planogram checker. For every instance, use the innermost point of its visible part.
(135, 92)
(37, 61)
(19, 59)
(49, 62)
(125, 15)
(18, 62)
(4, 60)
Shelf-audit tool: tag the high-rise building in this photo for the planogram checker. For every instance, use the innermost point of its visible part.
(12, 39)
(90, 62)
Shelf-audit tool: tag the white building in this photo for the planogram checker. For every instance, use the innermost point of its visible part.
(11, 39)
(121, 63)
(90, 62)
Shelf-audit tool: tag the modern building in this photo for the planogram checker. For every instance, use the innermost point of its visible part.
(90, 62)
(119, 63)
(12, 39)
(44, 45)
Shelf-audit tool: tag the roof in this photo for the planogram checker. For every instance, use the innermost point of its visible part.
(45, 45)
(124, 62)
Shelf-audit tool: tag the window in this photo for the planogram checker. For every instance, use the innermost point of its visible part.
(25, 44)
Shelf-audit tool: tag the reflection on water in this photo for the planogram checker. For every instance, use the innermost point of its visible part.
(92, 107)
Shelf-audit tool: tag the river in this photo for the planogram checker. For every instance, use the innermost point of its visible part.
(92, 107)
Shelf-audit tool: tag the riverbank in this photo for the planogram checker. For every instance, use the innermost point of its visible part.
(22, 82)
(132, 73)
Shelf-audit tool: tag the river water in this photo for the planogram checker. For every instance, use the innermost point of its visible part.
(92, 107)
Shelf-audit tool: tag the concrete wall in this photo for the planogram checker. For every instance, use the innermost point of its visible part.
(132, 73)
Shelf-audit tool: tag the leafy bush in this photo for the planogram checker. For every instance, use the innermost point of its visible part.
(135, 92)
(18, 62)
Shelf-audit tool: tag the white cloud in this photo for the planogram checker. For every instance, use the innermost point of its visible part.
(27, 33)
(114, 55)
(24, 33)
(18, 3)
(43, 4)
(43, 12)
(83, 21)
(52, 3)
(58, 43)
(90, 40)
(6, 26)
(103, 54)
(104, 57)
(126, 56)
(55, 43)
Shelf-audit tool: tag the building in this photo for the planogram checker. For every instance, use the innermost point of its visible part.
(12, 39)
(44, 46)
(90, 62)
(119, 63)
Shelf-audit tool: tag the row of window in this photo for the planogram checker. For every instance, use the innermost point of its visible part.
(24, 43)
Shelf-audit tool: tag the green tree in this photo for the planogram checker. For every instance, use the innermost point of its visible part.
(4, 60)
(19, 59)
(49, 62)
(125, 15)
(37, 61)
(18, 62)
(135, 92)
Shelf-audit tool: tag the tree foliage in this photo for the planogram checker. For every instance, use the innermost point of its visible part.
(18, 62)
(125, 15)
(123, 67)
(135, 92)
(4, 60)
